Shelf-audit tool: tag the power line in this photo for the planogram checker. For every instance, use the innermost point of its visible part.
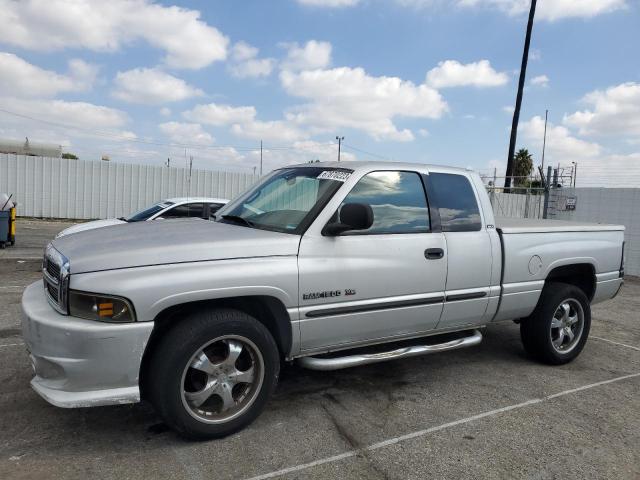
(100, 133)
(351, 147)
(110, 135)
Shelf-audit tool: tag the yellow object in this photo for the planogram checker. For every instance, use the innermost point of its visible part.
(105, 309)
(12, 223)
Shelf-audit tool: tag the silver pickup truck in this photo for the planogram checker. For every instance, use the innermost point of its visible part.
(332, 265)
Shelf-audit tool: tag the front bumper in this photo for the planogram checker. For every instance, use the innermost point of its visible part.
(81, 363)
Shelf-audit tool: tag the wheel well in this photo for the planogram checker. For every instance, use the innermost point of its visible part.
(581, 275)
(270, 311)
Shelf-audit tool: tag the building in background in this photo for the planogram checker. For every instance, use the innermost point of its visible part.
(26, 147)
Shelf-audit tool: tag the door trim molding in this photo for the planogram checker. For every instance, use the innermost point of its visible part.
(370, 307)
(413, 302)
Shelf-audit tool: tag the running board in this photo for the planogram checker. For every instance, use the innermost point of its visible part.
(336, 363)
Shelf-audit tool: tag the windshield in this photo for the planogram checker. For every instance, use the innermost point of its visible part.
(287, 200)
(145, 214)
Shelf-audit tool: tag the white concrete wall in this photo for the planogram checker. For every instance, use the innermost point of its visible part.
(608, 205)
(62, 188)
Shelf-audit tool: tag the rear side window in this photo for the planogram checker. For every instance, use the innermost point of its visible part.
(456, 203)
(397, 199)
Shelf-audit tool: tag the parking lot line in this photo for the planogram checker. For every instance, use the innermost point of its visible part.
(11, 344)
(421, 433)
(615, 343)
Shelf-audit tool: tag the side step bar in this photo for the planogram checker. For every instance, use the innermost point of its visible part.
(336, 363)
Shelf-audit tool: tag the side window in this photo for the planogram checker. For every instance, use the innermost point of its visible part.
(185, 210)
(456, 203)
(398, 201)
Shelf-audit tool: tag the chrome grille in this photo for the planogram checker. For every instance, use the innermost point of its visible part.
(52, 268)
(55, 275)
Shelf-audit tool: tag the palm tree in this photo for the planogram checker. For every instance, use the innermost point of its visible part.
(523, 165)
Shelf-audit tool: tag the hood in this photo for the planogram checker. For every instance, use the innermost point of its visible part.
(169, 241)
(81, 227)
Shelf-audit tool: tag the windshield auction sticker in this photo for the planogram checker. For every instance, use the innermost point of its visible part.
(336, 175)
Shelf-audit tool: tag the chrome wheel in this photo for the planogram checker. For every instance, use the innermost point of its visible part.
(567, 325)
(222, 379)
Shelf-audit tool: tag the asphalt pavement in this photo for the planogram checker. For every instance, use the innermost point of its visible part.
(484, 412)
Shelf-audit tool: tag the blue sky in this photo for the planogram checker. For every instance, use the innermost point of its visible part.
(413, 80)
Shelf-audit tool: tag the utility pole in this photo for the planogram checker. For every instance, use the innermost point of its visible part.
(260, 159)
(340, 139)
(575, 173)
(544, 139)
(516, 111)
(168, 162)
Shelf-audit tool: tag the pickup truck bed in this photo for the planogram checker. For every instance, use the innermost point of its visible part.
(535, 251)
(526, 225)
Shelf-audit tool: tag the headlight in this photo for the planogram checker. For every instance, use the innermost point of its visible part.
(103, 308)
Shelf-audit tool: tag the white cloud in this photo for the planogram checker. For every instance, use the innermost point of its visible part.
(20, 78)
(329, 3)
(275, 130)
(312, 55)
(256, 67)
(247, 65)
(243, 51)
(452, 73)
(610, 171)
(540, 81)
(151, 86)
(508, 109)
(350, 98)
(190, 133)
(87, 117)
(165, 112)
(220, 115)
(551, 10)
(49, 25)
(243, 122)
(615, 111)
(84, 74)
(561, 146)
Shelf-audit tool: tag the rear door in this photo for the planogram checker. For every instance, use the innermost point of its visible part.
(366, 285)
(469, 251)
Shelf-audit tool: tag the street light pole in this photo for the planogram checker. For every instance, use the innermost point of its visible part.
(340, 139)
(544, 138)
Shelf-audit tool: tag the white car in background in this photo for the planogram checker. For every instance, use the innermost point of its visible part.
(187, 207)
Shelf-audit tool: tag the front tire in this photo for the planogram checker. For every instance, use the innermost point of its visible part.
(212, 374)
(557, 330)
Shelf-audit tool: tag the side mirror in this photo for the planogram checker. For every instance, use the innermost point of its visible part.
(353, 216)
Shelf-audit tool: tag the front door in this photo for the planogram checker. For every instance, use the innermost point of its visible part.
(383, 282)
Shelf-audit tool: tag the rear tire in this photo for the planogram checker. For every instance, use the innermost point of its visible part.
(212, 374)
(557, 330)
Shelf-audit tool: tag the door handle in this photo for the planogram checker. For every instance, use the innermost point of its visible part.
(433, 253)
